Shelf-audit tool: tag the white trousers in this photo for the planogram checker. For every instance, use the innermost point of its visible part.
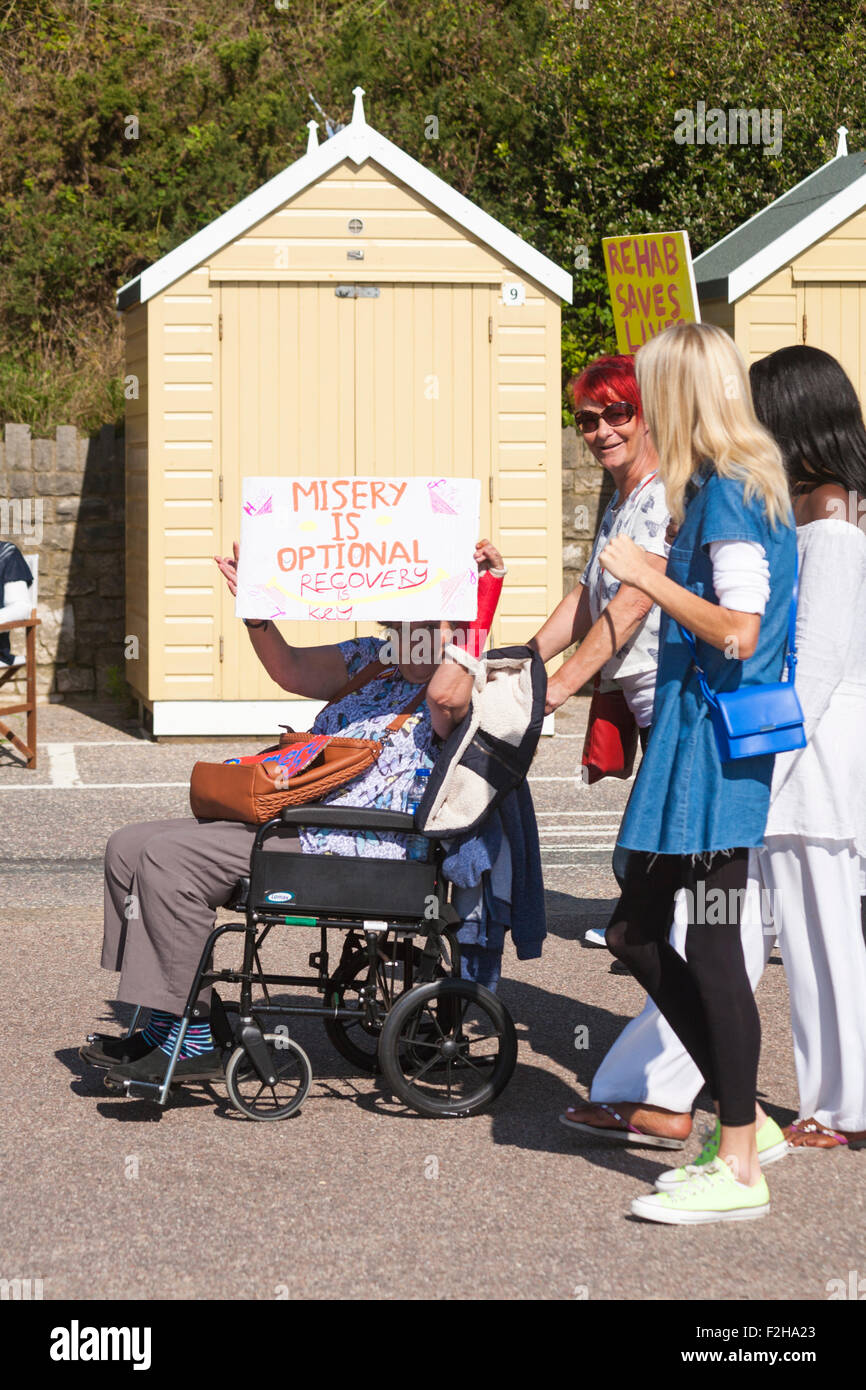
(815, 886)
(808, 892)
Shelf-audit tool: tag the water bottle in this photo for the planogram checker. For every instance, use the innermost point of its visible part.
(417, 846)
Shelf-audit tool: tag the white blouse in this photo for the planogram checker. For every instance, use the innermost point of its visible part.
(820, 791)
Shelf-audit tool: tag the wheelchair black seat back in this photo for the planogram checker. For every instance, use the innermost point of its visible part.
(395, 1003)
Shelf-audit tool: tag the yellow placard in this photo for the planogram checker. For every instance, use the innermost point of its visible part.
(651, 283)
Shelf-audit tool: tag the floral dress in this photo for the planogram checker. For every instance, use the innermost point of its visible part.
(366, 713)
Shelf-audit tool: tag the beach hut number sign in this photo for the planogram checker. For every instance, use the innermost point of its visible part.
(652, 285)
(358, 549)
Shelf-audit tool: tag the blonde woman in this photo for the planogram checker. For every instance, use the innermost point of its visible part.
(692, 819)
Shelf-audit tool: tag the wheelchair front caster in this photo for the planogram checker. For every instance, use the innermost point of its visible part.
(448, 1048)
(254, 1097)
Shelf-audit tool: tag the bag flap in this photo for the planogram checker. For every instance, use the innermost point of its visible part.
(756, 709)
(476, 768)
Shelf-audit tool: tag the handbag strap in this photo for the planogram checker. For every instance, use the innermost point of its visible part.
(374, 671)
(790, 646)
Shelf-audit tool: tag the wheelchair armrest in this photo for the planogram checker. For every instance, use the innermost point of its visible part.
(348, 818)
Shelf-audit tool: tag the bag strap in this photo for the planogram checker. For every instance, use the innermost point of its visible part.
(790, 646)
(396, 724)
(374, 671)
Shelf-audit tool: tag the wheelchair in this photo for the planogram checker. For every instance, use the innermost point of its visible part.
(395, 1003)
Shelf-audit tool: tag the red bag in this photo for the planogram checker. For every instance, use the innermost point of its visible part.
(611, 736)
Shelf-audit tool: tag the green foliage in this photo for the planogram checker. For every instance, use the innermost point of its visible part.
(557, 120)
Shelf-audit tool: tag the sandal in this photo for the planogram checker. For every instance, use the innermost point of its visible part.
(809, 1134)
(629, 1134)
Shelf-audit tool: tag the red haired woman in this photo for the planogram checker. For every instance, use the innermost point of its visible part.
(616, 625)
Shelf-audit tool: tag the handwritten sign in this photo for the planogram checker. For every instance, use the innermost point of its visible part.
(356, 549)
(652, 285)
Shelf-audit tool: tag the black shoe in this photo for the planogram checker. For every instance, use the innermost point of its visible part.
(154, 1065)
(106, 1051)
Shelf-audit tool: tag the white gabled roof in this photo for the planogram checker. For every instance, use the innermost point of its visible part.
(357, 141)
(794, 242)
(787, 227)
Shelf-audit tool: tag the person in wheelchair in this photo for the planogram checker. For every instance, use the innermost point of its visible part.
(165, 879)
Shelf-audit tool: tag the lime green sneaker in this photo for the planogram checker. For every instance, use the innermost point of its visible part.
(771, 1142)
(711, 1193)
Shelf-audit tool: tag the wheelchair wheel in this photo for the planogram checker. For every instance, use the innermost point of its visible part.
(249, 1094)
(358, 1039)
(448, 1048)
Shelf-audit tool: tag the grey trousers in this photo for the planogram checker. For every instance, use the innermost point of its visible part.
(164, 881)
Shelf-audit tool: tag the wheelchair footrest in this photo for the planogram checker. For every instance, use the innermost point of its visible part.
(142, 1090)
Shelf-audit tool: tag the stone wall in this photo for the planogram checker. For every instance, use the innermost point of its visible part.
(586, 491)
(64, 498)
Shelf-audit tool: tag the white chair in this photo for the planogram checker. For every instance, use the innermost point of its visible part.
(28, 706)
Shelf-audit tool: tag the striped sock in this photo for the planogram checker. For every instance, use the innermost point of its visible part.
(157, 1027)
(198, 1038)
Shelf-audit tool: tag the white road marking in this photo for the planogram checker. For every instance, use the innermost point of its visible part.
(62, 768)
(87, 786)
(580, 835)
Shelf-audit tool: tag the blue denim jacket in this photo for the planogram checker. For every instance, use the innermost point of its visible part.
(685, 801)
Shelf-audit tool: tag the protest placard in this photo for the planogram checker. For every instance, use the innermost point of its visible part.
(652, 285)
(355, 549)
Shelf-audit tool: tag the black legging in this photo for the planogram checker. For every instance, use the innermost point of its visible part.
(706, 998)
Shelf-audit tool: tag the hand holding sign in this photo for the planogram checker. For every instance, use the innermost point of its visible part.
(228, 566)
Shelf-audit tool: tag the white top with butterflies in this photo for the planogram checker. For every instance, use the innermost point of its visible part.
(644, 517)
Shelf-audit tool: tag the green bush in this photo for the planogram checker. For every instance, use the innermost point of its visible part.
(557, 120)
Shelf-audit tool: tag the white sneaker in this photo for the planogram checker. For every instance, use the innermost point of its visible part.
(595, 937)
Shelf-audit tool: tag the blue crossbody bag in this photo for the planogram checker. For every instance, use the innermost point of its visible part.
(756, 719)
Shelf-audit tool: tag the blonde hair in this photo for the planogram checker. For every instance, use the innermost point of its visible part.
(698, 404)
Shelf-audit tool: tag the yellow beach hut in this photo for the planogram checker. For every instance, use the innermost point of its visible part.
(796, 271)
(355, 315)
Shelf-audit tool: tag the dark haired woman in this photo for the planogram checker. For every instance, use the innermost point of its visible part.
(811, 865)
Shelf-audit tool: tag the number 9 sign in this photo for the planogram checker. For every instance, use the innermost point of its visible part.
(513, 293)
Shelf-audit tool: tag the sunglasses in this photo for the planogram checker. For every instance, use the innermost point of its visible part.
(617, 413)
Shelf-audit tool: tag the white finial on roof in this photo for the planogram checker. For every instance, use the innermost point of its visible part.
(312, 138)
(358, 117)
(842, 146)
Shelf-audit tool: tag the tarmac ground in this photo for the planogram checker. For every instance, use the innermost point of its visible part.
(355, 1197)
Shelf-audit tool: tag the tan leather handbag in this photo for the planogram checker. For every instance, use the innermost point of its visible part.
(246, 792)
